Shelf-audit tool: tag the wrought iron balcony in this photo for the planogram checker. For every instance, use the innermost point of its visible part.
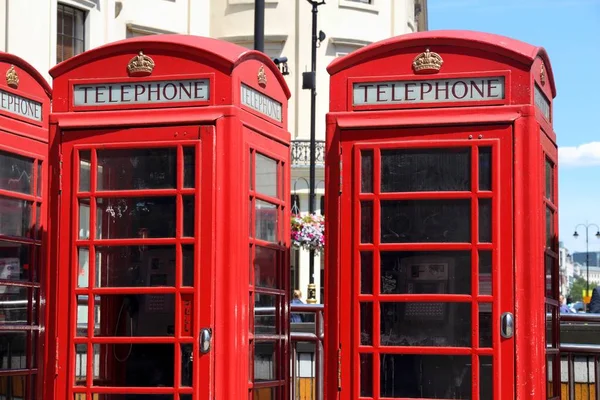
(301, 153)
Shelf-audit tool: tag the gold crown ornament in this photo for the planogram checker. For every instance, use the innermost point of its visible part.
(262, 76)
(427, 61)
(140, 65)
(12, 79)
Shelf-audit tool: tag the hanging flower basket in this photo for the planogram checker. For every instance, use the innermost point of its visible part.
(308, 232)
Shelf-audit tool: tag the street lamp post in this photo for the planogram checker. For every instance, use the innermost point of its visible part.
(587, 250)
(310, 82)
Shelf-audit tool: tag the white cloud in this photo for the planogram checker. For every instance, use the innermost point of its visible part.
(584, 155)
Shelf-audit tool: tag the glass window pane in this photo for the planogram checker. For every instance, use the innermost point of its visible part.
(83, 255)
(16, 173)
(419, 221)
(188, 216)
(425, 376)
(82, 315)
(366, 375)
(366, 272)
(485, 325)
(551, 334)
(485, 272)
(187, 365)
(13, 387)
(440, 272)
(266, 175)
(15, 261)
(266, 221)
(265, 361)
(15, 217)
(550, 365)
(84, 219)
(366, 324)
(417, 170)
(188, 265)
(486, 378)
(85, 166)
(366, 172)
(15, 343)
(189, 167)
(265, 313)
(265, 267)
(550, 276)
(366, 222)
(549, 180)
(485, 168)
(39, 179)
(426, 324)
(124, 169)
(549, 228)
(135, 217)
(485, 220)
(13, 307)
(135, 266)
(81, 360)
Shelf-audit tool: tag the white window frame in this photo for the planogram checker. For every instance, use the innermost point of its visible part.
(357, 5)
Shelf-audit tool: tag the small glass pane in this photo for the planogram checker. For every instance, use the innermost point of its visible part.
(84, 219)
(485, 272)
(85, 166)
(135, 266)
(123, 169)
(16, 173)
(81, 361)
(38, 219)
(15, 261)
(82, 315)
(15, 217)
(366, 272)
(140, 315)
(485, 220)
(425, 376)
(549, 228)
(83, 273)
(265, 361)
(265, 314)
(550, 376)
(486, 378)
(139, 217)
(188, 265)
(366, 172)
(485, 325)
(144, 366)
(251, 169)
(550, 276)
(419, 272)
(266, 221)
(16, 343)
(39, 178)
(265, 267)
(13, 307)
(366, 375)
(485, 168)
(366, 222)
(421, 221)
(418, 324)
(266, 175)
(187, 365)
(13, 386)
(419, 170)
(188, 216)
(189, 167)
(264, 393)
(549, 180)
(366, 324)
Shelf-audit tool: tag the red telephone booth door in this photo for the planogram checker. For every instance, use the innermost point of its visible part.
(135, 268)
(431, 287)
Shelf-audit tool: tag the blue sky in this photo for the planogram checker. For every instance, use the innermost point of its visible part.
(570, 32)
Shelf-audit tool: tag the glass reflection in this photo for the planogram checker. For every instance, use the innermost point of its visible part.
(16, 173)
(265, 361)
(366, 222)
(486, 378)
(15, 217)
(123, 169)
(188, 216)
(265, 312)
(366, 323)
(366, 171)
(420, 221)
(265, 267)
(189, 167)
(485, 272)
(417, 170)
(425, 376)
(85, 166)
(366, 375)
(266, 221)
(426, 324)
(366, 272)
(485, 168)
(13, 347)
(15, 262)
(266, 175)
(12, 387)
(485, 220)
(421, 272)
(13, 306)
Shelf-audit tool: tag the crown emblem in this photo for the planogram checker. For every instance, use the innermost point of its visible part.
(12, 79)
(140, 65)
(427, 62)
(262, 76)
(543, 75)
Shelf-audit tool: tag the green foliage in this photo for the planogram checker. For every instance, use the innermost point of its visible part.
(579, 285)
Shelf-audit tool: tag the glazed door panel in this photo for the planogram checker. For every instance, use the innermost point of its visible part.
(430, 286)
(135, 271)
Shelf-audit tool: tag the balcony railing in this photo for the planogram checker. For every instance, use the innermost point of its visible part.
(301, 153)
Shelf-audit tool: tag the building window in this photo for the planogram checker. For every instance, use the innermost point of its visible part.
(70, 36)
(363, 1)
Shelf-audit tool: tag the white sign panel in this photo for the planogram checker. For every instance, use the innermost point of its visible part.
(261, 103)
(21, 106)
(106, 94)
(428, 91)
(542, 102)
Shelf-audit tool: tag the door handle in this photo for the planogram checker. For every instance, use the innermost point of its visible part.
(205, 339)
(507, 325)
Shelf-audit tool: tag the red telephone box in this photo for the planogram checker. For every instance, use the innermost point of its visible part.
(442, 248)
(24, 109)
(169, 173)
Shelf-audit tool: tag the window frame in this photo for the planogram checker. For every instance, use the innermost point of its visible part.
(60, 9)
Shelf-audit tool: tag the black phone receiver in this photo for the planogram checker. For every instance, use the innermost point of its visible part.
(131, 304)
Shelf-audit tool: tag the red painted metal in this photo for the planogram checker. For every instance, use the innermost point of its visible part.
(521, 136)
(23, 191)
(227, 137)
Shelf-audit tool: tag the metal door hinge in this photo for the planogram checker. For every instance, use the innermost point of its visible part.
(339, 369)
